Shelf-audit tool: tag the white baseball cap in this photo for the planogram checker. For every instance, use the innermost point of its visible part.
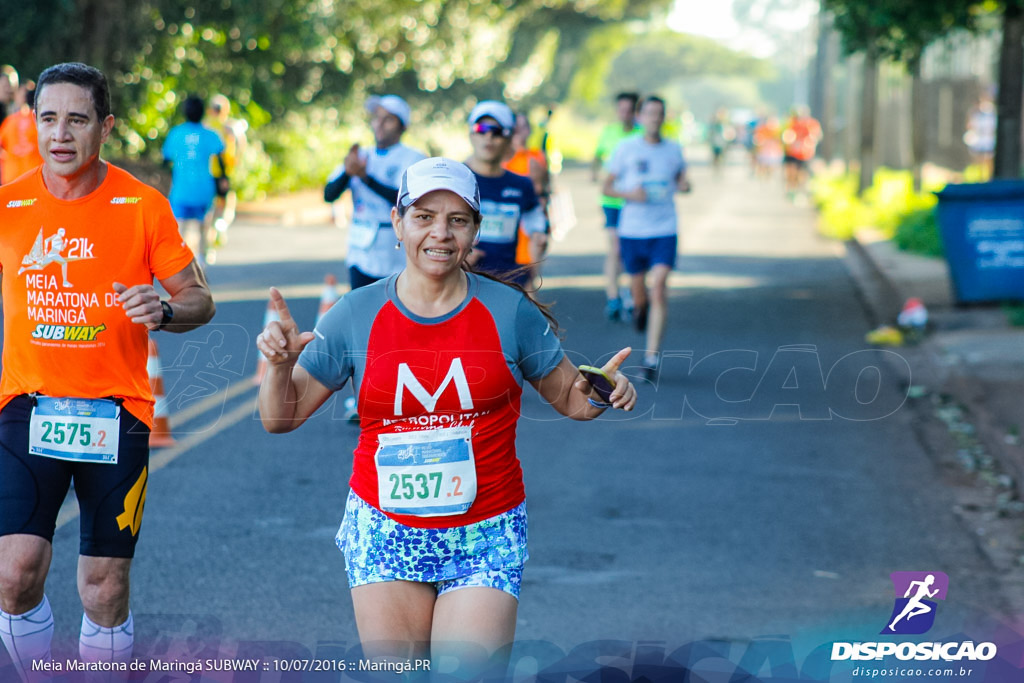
(392, 104)
(438, 173)
(499, 111)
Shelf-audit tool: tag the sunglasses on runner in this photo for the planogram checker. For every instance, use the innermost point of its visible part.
(491, 129)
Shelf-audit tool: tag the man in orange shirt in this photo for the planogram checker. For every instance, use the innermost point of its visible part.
(83, 242)
(799, 140)
(19, 145)
(8, 86)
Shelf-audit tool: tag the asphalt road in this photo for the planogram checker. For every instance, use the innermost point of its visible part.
(759, 498)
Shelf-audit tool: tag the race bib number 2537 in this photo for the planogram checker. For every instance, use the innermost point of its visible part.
(426, 473)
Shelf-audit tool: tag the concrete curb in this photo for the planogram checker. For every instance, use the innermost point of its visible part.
(879, 292)
(971, 385)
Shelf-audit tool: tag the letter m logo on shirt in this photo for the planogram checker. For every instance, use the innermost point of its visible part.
(456, 375)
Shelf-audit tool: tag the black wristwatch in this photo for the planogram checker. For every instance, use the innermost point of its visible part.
(168, 315)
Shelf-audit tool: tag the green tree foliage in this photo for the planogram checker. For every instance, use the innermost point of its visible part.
(272, 57)
(902, 29)
(653, 62)
(899, 29)
(594, 63)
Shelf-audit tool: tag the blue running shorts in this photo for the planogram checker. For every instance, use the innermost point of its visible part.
(489, 553)
(188, 212)
(639, 255)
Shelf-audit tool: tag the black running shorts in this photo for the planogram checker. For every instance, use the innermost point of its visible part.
(110, 497)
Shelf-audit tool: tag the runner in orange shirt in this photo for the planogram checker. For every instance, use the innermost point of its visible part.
(19, 146)
(532, 163)
(767, 146)
(799, 140)
(83, 241)
(8, 85)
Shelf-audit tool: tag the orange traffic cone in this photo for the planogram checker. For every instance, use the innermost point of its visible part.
(160, 437)
(261, 360)
(328, 296)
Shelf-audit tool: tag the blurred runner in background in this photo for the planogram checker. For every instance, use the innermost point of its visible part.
(800, 139)
(980, 136)
(531, 162)
(8, 85)
(233, 134)
(19, 142)
(191, 149)
(372, 176)
(647, 171)
(508, 201)
(619, 304)
(767, 146)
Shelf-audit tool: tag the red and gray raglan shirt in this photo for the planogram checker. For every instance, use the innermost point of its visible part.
(414, 374)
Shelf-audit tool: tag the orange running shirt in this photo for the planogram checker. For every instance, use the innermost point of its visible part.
(19, 145)
(801, 137)
(519, 164)
(64, 332)
(520, 161)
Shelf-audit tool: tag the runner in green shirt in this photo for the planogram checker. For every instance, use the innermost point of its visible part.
(611, 136)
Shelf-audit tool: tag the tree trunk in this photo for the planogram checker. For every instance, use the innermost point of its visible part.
(854, 71)
(829, 142)
(868, 112)
(96, 18)
(1011, 92)
(918, 122)
(822, 85)
(819, 69)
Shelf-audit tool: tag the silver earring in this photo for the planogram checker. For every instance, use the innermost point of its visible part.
(398, 245)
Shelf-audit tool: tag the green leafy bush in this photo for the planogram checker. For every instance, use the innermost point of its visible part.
(1015, 314)
(890, 206)
(842, 212)
(918, 233)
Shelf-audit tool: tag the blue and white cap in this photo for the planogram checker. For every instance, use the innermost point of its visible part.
(438, 173)
(499, 111)
(392, 104)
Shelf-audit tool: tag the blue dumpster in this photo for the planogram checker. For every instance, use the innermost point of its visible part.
(982, 228)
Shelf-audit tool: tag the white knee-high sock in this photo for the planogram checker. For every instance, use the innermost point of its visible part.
(27, 638)
(100, 644)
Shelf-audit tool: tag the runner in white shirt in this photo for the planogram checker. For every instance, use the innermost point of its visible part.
(647, 171)
(373, 177)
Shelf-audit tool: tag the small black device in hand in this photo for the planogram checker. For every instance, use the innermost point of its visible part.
(599, 379)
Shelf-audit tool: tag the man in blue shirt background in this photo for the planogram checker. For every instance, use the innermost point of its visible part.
(188, 148)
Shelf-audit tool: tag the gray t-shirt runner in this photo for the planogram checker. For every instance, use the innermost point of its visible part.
(655, 167)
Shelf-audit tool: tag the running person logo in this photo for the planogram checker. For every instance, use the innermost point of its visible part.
(914, 609)
(51, 250)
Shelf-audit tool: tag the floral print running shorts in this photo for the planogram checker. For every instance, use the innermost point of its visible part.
(487, 553)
